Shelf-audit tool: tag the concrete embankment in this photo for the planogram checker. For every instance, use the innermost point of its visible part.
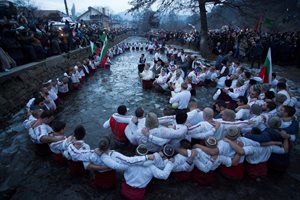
(19, 84)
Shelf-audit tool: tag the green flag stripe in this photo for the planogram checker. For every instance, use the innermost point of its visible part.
(104, 48)
(267, 64)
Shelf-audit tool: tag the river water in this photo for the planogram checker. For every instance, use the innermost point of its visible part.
(24, 175)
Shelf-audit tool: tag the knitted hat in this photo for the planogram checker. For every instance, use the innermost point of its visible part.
(151, 120)
(256, 109)
(168, 150)
(141, 150)
(233, 132)
(211, 142)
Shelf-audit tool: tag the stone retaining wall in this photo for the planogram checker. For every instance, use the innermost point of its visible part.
(19, 84)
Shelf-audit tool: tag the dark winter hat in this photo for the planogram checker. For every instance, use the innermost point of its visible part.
(233, 132)
(211, 142)
(168, 151)
(141, 150)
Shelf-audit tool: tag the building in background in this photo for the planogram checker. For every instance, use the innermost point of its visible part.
(95, 16)
(52, 15)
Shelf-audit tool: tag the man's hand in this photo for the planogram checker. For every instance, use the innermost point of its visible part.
(172, 160)
(150, 157)
(188, 125)
(240, 143)
(161, 154)
(225, 91)
(284, 135)
(60, 137)
(97, 151)
(194, 153)
(71, 139)
(226, 140)
(251, 122)
(134, 119)
(217, 125)
(238, 109)
(145, 131)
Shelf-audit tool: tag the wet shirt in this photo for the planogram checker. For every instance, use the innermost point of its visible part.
(182, 98)
(206, 163)
(78, 151)
(255, 155)
(59, 146)
(139, 176)
(38, 132)
(202, 130)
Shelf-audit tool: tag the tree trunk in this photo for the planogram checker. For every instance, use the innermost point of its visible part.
(66, 6)
(204, 48)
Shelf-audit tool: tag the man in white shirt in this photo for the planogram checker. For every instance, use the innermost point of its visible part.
(147, 74)
(138, 177)
(169, 135)
(176, 81)
(236, 169)
(282, 89)
(239, 90)
(157, 56)
(242, 112)
(39, 129)
(161, 81)
(195, 115)
(205, 162)
(181, 99)
(257, 156)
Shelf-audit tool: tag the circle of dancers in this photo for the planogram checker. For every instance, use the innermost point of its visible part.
(248, 131)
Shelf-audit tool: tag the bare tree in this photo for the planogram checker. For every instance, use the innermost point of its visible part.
(26, 3)
(182, 5)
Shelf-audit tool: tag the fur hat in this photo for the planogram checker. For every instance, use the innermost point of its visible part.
(211, 142)
(233, 132)
(168, 151)
(141, 150)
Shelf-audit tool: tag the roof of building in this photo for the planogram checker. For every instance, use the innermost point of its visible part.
(45, 13)
(89, 10)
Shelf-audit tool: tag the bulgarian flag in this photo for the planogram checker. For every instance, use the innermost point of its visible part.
(258, 24)
(103, 53)
(266, 71)
(94, 48)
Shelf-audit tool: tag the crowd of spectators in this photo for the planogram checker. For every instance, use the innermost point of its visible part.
(23, 41)
(244, 44)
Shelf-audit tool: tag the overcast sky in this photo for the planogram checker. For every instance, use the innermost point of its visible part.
(81, 5)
